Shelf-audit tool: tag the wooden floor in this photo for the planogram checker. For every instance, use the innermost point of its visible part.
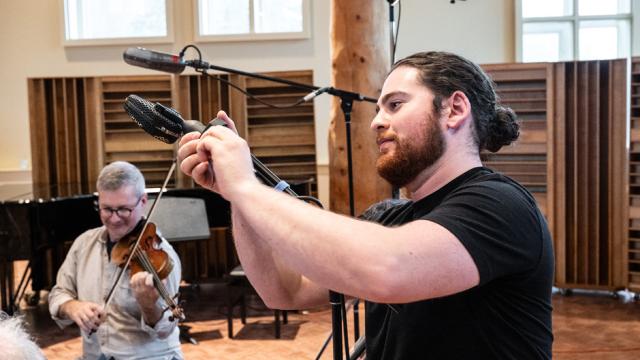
(585, 327)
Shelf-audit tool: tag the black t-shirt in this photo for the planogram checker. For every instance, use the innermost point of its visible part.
(508, 315)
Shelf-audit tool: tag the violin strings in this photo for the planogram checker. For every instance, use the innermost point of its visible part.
(148, 266)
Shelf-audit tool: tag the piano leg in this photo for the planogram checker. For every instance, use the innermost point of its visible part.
(6, 285)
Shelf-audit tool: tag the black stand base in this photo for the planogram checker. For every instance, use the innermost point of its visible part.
(185, 336)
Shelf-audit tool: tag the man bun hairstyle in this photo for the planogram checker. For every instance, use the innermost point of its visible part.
(503, 130)
(444, 73)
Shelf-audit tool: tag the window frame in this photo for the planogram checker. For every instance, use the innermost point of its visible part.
(252, 36)
(168, 39)
(575, 20)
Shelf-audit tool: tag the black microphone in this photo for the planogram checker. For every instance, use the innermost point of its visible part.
(166, 124)
(154, 60)
(159, 121)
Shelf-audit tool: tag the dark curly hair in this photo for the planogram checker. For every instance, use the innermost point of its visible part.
(444, 73)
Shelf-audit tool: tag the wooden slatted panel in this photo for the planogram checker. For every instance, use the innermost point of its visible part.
(524, 88)
(571, 155)
(60, 136)
(618, 173)
(592, 240)
(283, 138)
(123, 139)
(39, 130)
(633, 256)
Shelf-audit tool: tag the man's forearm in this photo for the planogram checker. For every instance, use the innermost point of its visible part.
(279, 286)
(257, 261)
(63, 311)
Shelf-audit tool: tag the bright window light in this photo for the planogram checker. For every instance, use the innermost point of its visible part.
(223, 17)
(113, 19)
(541, 47)
(566, 30)
(603, 7)
(267, 13)
(549, 41)
(250, 17)
(546, 8)
(603, 39)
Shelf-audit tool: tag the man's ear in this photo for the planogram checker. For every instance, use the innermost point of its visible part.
(460, 110)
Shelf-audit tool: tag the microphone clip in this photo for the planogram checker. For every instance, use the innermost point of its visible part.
(197, 64)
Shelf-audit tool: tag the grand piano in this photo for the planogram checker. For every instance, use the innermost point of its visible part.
(42, 230)
(37, 230)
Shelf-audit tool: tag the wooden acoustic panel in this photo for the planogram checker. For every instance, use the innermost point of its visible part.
(633, 256)
(64, 139)
(591, 122)
(123, 138)
(572, 156)
(283, 138)
(526, 89)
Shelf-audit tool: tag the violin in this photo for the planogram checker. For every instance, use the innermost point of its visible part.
(147, 256)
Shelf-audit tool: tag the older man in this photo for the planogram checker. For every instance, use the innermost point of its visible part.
(134, 325)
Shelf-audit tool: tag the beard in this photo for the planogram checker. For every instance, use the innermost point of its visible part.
(412, 155)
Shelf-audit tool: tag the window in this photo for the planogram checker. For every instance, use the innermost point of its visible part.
(116, 21)
(232, 20)
(563, 30)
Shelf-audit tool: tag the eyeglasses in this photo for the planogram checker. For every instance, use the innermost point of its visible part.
(122, 212)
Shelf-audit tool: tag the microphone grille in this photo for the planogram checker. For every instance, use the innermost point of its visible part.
(151, 121)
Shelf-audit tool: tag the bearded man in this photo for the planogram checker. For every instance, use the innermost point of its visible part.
(463, 270)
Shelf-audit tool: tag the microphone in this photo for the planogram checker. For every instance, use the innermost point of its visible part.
(166, 124)
(154, 60)
(159, 121)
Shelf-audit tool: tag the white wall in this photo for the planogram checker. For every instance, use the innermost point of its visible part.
(481, 30)
(30, 38)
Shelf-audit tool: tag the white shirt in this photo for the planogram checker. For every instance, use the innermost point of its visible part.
(87, 275)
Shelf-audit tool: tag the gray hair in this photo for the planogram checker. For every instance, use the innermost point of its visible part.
(118, 174)
(15, 342)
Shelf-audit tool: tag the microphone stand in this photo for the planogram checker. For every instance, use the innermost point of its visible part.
(338, 313)
(395, 192)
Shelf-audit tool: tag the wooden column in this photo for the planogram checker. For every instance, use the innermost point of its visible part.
(360, 61)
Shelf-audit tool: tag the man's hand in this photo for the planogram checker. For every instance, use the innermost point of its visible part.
(143, 289)
(218, 160)
(146, 295)
(87, 315)
(190, 162)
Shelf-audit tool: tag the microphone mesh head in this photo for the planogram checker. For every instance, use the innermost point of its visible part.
(151, 121)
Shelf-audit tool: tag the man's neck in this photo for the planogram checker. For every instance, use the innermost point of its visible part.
(448, 167)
